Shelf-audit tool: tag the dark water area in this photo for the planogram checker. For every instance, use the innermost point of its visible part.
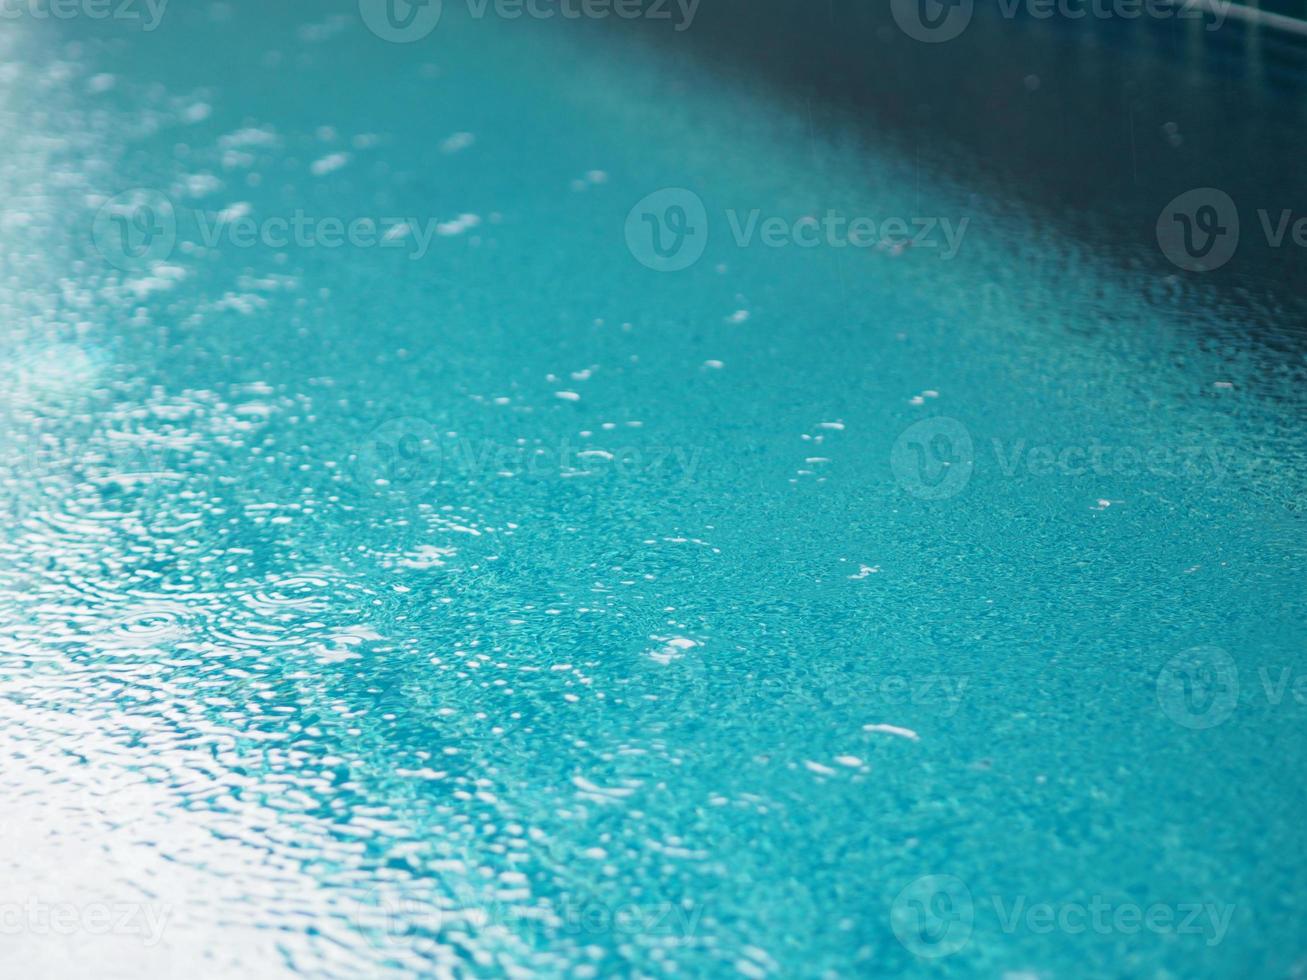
(1093, 124)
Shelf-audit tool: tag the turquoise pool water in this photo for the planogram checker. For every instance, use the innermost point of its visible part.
(471, 598)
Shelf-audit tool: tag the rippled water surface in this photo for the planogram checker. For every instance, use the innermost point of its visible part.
(491, 604)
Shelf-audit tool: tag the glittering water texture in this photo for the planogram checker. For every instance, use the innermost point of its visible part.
(517, 610)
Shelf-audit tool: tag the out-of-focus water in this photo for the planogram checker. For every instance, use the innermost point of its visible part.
(472, 599)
